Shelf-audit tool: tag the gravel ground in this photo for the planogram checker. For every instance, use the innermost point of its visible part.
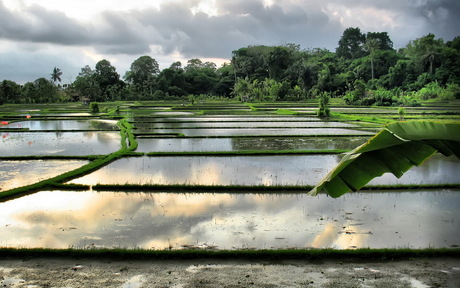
(48, 272)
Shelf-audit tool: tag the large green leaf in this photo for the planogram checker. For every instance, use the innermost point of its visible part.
(395, 149)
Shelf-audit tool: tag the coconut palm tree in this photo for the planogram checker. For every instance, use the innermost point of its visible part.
(371, 45)
(429, 56)
(56, 75)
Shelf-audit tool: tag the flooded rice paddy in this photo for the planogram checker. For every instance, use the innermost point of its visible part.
(223, 132)
(241, 124)
(396, 219)
(298, 170)
(89, 219)
(58, 143)
(60, 125)
(20, 173)
(248, 143)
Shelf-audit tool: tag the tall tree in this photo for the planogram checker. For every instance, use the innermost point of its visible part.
(106, 76)
(371, 46)
(351, 44)
(142, 69)
(10, 92)
(201, 76)
(424, 52)
(383, 40)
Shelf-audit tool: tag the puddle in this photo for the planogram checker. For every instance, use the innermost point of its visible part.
(134, 282)
(20, 173)
(415, 283)
(242, 144)
(11, 282)
(58, 143)
(65, 125)
(227, 221)
(299, 170)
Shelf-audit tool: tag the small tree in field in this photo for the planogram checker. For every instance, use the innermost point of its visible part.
(324, 110)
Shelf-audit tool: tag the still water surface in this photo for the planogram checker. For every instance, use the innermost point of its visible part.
(242, 144)
(241, 124)
(296, 170)
(20, 173)
(58, 143)
(257, 131)
(65, 125)
(57, 219)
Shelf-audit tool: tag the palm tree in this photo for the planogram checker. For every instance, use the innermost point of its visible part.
(371, 45)
(429, 56)
(56, 75)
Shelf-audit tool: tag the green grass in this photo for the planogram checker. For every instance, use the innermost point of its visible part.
(286, 112)
(248, 254)
(259, 189)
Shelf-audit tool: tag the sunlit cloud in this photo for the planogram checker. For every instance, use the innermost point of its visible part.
(32, 31)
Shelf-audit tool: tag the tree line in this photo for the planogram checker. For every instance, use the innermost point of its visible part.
(365, 69)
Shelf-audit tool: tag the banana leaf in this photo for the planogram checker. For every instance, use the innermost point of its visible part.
(395, 149)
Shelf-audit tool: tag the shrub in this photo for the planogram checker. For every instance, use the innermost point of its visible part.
(401, 113)
(94, 107)
(324, 110)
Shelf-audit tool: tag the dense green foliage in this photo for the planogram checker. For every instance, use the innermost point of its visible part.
(364, 70)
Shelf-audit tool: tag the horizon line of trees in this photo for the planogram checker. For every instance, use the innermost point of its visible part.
(364, 66)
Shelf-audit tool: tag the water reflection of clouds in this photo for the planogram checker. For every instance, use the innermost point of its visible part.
(64, 219)
(66, 143)
(253, 170)
(435, 170)
(65, 124)
(20, 173)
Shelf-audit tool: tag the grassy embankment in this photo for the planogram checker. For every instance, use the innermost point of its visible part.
(128, 144)
(268, 255)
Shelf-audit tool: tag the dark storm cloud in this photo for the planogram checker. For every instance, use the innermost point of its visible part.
(111, 33)
(239, 23)
(174, 28)
(442, 17)
(37, 24)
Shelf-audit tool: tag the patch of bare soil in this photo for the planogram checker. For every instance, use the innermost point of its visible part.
(46, 272)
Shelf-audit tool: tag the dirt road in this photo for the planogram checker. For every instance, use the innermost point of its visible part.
(49, 272)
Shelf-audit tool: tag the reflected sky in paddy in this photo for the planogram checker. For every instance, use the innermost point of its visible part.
(241, 144)
(58, 143)
(158, 221)
(296, 170)
(65, 125)
(258, 131)
(240, 124)
(203, 170)
(20, 173)
(224, 118)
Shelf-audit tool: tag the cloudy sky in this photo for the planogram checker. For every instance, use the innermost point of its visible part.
(38, 35)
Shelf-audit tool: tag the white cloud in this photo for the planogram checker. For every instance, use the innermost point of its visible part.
(167, 30)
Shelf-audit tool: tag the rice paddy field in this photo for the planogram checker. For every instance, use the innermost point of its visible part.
(213, 176)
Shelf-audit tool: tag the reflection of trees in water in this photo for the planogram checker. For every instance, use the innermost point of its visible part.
(102, 124)
(294, 143)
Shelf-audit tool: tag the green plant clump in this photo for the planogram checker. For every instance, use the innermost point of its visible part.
(324, 110)
(94, 107)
